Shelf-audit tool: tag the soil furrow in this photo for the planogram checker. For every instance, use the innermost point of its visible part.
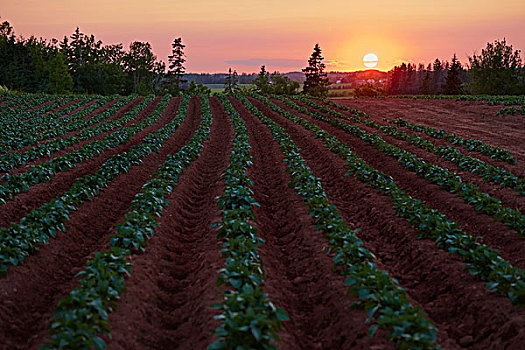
(459, 305)
(30, 292)
(298, 275)
(172, 284)
(472, 119)
(508, 196)
(499, 236)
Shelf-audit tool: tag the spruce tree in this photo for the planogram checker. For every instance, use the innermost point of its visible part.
(230, 85)
(453, 80)
(262, 82)
(176, 71)
(316, 83)
(438, 72)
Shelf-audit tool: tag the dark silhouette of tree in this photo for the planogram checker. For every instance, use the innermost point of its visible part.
(32, 65)
(281, 85)
(437, 76)
(198, 89)
(159, 69)
(453, 80)
(175, 76)
(316, 83)
(426, 83)
(497, 70)
(397, 80)
(262, 82)
(231, 82)
(140, 62)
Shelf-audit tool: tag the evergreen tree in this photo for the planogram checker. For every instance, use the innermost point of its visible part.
(176, 70)
(453, 80)
(497, 70)
(438, 72)
(140, 62)
(198, 89)
(159, 69)
(316, 83)
(262, 82)
(230, 85)
(282, 85)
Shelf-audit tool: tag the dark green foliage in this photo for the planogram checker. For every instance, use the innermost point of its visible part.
(482, 261)
(95, 68)
(139, 64)
(384, 301)
(262, 82)
(267, 84)
(175, 76)
(197, 89)
(453, 80)
(231, 81)
(316, 83)
(82, 317)
(31, 65)
(248, 319)
(368, 90)
(497, 70)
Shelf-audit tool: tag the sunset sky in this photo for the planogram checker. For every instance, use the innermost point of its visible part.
(281, 34)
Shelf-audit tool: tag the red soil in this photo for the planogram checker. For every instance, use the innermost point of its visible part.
(41, 193)
(172, 285)
(472, 119)
(31, 291)
(499, 236)
(459, 305)
(298, 274)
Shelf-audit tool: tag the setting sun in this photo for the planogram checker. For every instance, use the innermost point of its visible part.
(370, 60)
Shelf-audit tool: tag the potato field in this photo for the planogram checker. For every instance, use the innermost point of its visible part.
(257, 222)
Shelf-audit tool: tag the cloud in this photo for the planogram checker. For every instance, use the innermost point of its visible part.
(276, 62)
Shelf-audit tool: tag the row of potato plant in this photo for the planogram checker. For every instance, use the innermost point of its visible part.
(12, 160)
(486, 171)
(467, 143)
(19, 240)
(512, 110)
(81, 318)
(27, 135)
(492, 100)
(32, 107)
(384, 301)
(42, 117)
(78, 120)
(44, 172)
(248, 319)
(470, 193)
(481, 260)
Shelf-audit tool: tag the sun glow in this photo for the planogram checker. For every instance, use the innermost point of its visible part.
(389, 51)
(370, 60)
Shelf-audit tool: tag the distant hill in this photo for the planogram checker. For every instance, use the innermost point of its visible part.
(334, 77)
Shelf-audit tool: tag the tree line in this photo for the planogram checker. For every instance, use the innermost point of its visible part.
(82, 64)
(497, 70)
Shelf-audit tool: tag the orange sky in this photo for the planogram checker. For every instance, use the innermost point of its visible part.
(281, 34)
